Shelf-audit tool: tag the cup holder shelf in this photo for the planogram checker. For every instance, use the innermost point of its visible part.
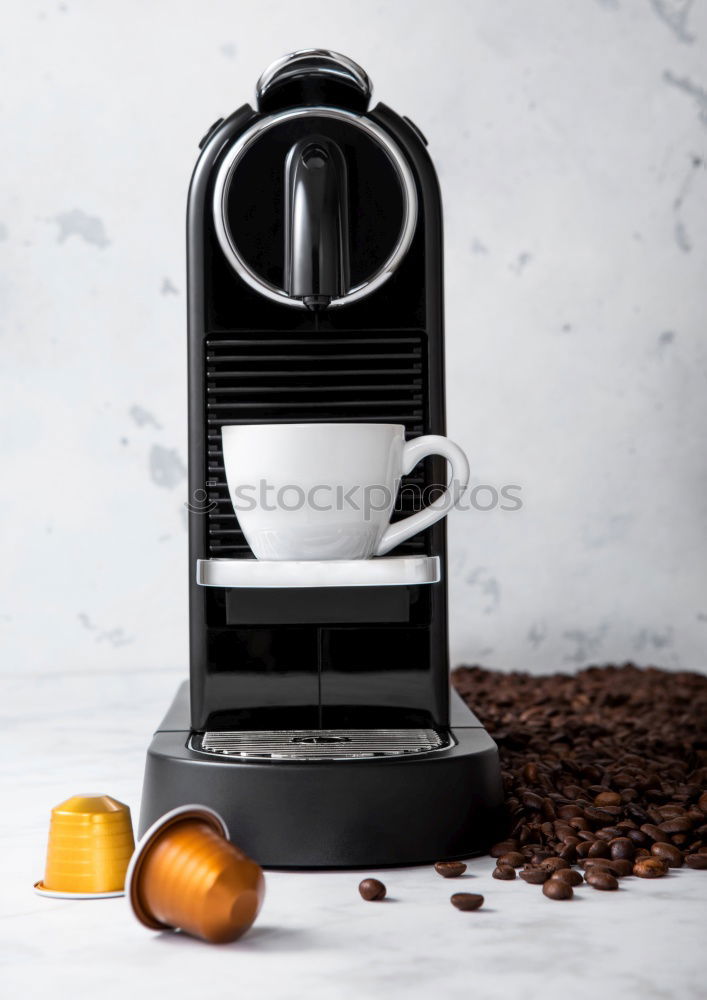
(384, 571)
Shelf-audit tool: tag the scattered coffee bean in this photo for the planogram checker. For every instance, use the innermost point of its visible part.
(652, 831)
(514, 858)
(535, 876)
(698, 861)
(556, 888)
(503, 848)
(668, 853)
(601, 880)
(466, 900)
(599, 849)
(568, 875)
(650, 868)
(621, 867)
(639, 838)
(679, 824)
(622, 848)
(608, 799)
(554, 864)
(371, 889)
(450, 869)
(569, 853)
(504, 872)
(530, 772)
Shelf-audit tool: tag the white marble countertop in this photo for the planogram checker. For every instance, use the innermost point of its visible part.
(315, 937)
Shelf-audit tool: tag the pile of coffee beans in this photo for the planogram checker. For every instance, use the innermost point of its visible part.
(605, 769)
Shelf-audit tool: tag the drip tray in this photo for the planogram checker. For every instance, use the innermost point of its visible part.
(384, 571)
(319, 744)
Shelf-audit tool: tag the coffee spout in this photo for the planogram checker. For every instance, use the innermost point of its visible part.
(316, 223)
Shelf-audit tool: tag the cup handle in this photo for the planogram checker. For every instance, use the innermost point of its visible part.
(413, 452)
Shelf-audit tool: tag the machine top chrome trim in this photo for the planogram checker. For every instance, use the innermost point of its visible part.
(305, 61)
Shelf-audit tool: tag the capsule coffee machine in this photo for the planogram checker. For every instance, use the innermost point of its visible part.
(318, 719)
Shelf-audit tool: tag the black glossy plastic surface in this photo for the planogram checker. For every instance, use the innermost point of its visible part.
(253, 360)
(337, 814)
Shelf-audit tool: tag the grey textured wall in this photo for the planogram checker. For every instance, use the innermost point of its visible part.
(570, 138)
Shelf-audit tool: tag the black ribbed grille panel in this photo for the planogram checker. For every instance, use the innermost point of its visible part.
(271, 378)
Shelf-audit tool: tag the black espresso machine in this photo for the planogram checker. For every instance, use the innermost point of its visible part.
(318, 720)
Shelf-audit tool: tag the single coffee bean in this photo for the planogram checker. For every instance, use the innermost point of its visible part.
(639, 838)
(599, 816)
(530, 772)
(697, 861)
(599, 879)
(641, 852)
(503, 848)
(568, 853)
(556, 888)
(598, 864)
(607, 799)
(554, 864)
(599, 849)
(621, 867)
(583, 849)
(623, 847)
(608, 833)
(568, 875)
(531, 800)
(371, 889)
(569, 811)
(680, 824)
(653, 831)
(504, 872)
(535, 876)
(514, 858)
(671, 810)
(668, 853)
(466, 900)
(636, 812)
(702, 802)
(450, 869)
(650, 868)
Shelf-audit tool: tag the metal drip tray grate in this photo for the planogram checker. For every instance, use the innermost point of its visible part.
(319, 744)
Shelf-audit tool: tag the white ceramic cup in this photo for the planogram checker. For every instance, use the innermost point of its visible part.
(327, 491)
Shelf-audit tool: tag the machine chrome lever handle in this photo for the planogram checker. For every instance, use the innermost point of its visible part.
(316, 222)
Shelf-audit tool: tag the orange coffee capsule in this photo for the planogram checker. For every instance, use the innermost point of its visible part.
(186, 875)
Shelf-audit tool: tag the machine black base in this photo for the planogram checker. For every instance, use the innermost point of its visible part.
(337, 814)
